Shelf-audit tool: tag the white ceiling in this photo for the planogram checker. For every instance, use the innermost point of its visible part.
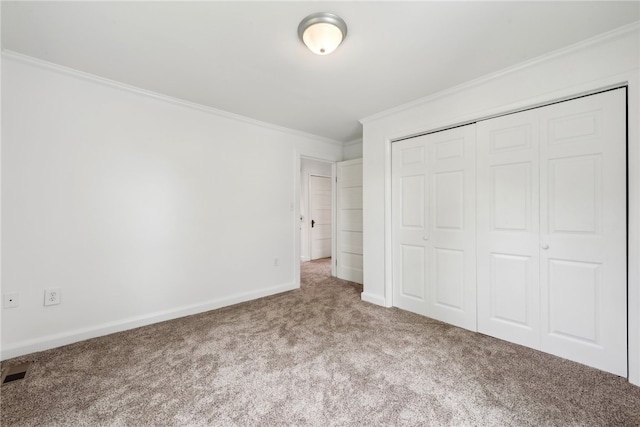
(246, 58)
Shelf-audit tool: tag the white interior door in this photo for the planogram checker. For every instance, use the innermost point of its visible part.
(552, 229)
(433, 196)
(583, 255)
(508, 228)
(349, 220)
(320, 218)
(410, 208)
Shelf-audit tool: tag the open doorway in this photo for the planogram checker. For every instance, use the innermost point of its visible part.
(330, 227)
(316, 208)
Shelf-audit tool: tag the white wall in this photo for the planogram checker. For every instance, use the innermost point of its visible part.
(308, 167)
(605, 61)
(352, 150)
(141, 208)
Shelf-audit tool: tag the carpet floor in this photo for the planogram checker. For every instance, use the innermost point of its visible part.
(316, 356)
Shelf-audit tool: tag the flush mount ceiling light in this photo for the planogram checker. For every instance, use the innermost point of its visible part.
(322, 32)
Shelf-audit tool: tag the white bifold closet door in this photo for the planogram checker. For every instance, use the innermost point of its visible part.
(433, 196)
(551, 229)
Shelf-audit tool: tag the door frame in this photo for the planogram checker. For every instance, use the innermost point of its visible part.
(298, 156)
(630, 81)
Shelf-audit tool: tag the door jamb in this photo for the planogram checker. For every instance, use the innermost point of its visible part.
(297, 161)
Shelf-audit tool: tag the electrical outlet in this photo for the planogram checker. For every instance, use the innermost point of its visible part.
(52, 296)
(10, 300)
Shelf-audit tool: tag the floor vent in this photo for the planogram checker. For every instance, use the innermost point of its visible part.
(14, 373)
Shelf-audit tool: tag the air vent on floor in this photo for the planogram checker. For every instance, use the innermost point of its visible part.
(14, 373)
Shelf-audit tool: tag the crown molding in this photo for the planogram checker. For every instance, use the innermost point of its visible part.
(615, 33)
(26, 59)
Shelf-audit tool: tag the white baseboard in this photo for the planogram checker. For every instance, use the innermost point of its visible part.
(373, 299)
(305, 259)
(70, 337)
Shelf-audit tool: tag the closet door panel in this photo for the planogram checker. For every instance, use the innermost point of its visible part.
(583, 230)
(433, 217)
(409, 217)
(511, 281)
(449, 203)
(533, 250)
(452, 258)
(507, 221)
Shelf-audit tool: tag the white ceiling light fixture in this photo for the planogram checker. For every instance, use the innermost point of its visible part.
(322, 32)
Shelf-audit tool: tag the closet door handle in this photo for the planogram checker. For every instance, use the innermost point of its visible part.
(425, 238)
(313, 222)
(545, 246)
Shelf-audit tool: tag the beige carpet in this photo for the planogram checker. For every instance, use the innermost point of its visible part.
(314, 356)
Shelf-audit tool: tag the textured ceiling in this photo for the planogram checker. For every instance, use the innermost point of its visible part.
(245, 57)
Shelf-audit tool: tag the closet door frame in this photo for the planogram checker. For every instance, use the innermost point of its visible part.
(630, 84)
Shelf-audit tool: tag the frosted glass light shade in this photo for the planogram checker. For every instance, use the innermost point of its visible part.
(322, 32)
(322, 38)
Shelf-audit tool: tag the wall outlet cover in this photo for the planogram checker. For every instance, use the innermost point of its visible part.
(52, 296)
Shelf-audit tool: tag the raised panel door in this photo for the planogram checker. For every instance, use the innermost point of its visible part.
(507, 221)
(583, 230)
(452, 229)
(409, 218)
(433, 216)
